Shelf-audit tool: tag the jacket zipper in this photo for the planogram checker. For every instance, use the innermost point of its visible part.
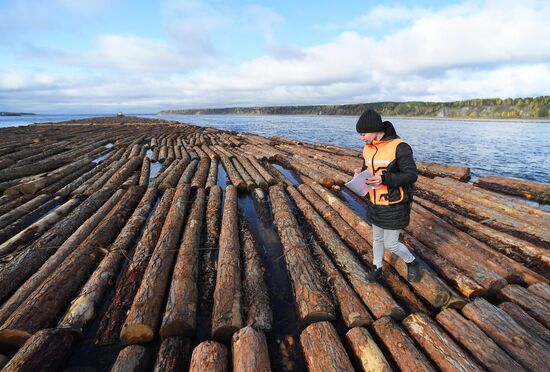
(374, 171)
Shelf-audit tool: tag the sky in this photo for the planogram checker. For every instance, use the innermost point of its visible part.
(106, 56)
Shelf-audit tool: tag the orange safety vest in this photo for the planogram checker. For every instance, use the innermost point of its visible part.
(378, 156)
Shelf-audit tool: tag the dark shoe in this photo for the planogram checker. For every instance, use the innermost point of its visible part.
(413, 271)
(374, 274)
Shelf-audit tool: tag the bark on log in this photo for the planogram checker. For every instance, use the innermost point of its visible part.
(526, 321)
(312, 173)
(188, 173)
(256, 176)
(173, 175)
(250, 185)
(439, 170)
(53, 188)
(232, 174)
(144, 316)
(443, 351)
(42, 351)
(209, 356)
(257, 303)
(212, 178)
(226, 314)
(109, 327)
(181, 307)
(323, 350)
(535, 306)
(145, 172)
(528, 189)
(133, 358)
(367, 354)
(265, 174)
(200, 177)
(528, 350)
(312, 303)
(400, 346)
(14, 214)
(249, 349)
(541, 290)
(471, 338)
(174, 355)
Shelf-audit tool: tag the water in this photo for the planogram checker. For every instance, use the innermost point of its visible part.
(519, 149)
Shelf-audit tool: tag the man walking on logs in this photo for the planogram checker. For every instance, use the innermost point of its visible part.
(390, 160)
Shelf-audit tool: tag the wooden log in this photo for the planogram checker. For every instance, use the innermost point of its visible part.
(249, 349)
(133, 358)
(45, 303)
(7, 218)
(378, 300)
(145, 172)
(53, 188)
(526, 321)
(109, 327)
(212, 178)
(365, 351)
(123, 173)
(173, 175)
(144, 315)
(302, 168)
(181, 307)
(541, 290)
(441, 349)
(439, 170)
(42, 351)
(174, 355)
(480, 346)
(528, 350)
(280, 177)
(400, 346)
(339, 177)
(323, 350)
(265, 174)
(312, 302)
(528, 189)
(535, 306)
(250, 185)
(256, 176)
(209, 356)
(187, 175)
(17, 267)
(201, 175)
(226, 314)
(256, 296)
(84, 307)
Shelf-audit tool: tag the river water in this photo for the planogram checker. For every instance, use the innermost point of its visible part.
(519, 149)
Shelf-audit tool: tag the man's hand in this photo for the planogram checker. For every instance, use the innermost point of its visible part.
(374, 181)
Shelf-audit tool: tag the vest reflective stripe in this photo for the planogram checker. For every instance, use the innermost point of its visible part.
(377, 157)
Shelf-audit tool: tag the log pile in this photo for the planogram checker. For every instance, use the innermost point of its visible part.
(175, 266)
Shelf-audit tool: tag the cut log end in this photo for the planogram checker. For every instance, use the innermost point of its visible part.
(136, 333)
(318, 316)
(176, 328)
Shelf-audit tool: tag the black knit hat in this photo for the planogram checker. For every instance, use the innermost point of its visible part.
(369, 121)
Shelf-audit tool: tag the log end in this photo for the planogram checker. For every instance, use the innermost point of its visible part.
(13, 337)
(456, 303)
(358, 320)
(176, 328)
(318, 316)
(136, 334)
(224, 333)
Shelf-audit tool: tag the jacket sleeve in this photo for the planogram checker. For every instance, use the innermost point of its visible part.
(407, 174)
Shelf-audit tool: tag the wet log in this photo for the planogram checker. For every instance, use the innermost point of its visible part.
(174, 355)
(528, 350)
(212, 178)
(323, 350)
(527, 189)
(365, 351)
(312, 302)
(45, 303)
(31, 205)
(201, 175)
(126, 288)
(249, 349)
(173, 175)
(340, 178)
(400, 346)
(302, 168)
(250, 185)
(58, 242)
(480, 346)
(145, 172)
(144, 315)
(42, 351)
(256, 176)
(280, 177)
(256, 296)
(84, 307)
(376, 297)
(263, 172)
(181, 307)
(441, 349)
(83, 179)
(526, 321)
(133, 358)
(226, 314)
(439, 170)
(541, 290)
(209, 356)
(53, 188)
(188, 173)
(535, 306)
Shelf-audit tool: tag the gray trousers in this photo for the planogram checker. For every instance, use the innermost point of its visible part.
(388, 239)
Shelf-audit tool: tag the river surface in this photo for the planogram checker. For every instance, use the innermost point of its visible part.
(519, 149)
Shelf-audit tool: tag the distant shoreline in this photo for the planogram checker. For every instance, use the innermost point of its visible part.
(2, 113)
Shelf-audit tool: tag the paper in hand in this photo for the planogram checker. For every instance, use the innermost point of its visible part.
(358, 184)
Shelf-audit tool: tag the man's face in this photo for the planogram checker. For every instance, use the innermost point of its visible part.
(368, 137)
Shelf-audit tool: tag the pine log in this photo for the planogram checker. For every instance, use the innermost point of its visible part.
(226, 314)
(133, 358)
(439, 170)
(528, 189)
(174, 355)
(527, 349)
(249, 349)
(212, 178)
(144, 316)
(173, 175)
(42, 351)
(209, 356)
(232, 174)
(50, 250)
(442, 350)
(145, 172)
(541, 290)
(250, 185)
(256, 296)
(84, 307)
(365, 351)
(400, 346)
(45, 303)
(323, 349)
(535, 306)
(201, 175)
(526, 321)
(31, 205)
(188, 173)
(251, 170)
(302, 168)
(312, 302)
(480, 346)
(181, 307)
(53, 188)
(264, 173)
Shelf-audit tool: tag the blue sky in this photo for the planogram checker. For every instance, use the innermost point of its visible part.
(70, 56)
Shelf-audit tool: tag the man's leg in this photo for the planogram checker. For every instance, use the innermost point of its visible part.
(392, 243)
(377, 245)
